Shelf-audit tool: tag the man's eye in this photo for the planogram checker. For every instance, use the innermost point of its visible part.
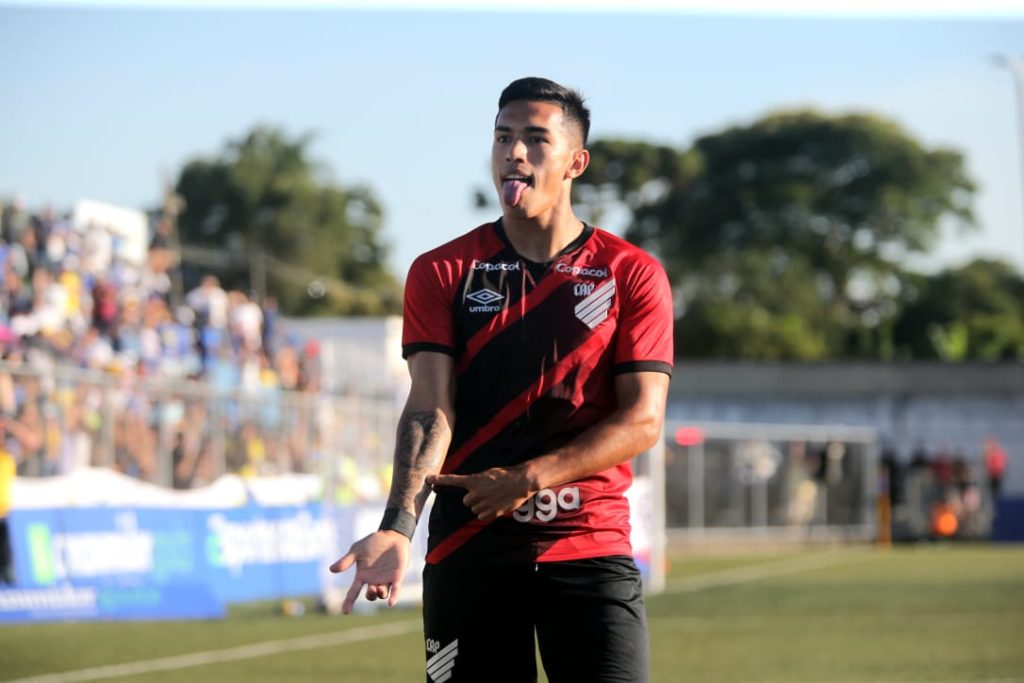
(502, 138)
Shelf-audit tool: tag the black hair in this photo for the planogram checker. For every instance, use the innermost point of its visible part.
(543, 90)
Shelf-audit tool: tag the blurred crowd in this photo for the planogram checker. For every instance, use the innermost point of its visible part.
(942, 492)
(111, 362)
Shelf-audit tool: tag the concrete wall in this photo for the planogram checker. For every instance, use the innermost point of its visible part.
(937, 405)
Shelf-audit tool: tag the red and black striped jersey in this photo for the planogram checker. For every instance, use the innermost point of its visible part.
(536, 349)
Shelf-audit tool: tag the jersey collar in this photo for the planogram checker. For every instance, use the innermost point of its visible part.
(581, 239)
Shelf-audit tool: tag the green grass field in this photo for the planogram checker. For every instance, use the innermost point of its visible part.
(850, 615)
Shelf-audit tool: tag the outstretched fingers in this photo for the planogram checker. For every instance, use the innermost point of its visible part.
(344, 563)
(393, 596)
(351, 596)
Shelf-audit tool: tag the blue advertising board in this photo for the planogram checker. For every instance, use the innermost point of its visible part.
(123, 563)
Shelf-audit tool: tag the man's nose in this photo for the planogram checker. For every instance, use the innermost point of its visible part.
(516, 151)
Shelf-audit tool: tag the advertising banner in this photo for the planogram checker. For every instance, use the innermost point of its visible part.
(182, 555)
(112, 563)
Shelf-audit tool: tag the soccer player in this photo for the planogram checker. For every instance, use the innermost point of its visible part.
(540, 350)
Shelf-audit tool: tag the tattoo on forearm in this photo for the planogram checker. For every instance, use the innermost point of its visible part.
(421, 444)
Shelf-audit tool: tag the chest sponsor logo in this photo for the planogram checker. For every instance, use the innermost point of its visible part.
(486, 301)
(491, 267)
(594, 309)
(546, 505)
(595, 272)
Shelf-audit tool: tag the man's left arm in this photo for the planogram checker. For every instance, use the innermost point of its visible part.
(633, 428)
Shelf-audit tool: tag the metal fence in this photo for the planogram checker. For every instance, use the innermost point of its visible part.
(186, 434)
(769, 478)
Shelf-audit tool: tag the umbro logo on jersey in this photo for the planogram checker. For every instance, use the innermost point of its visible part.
(481, 265)
(484, 296)
(439, 667)
(594, 309)
(486, 299)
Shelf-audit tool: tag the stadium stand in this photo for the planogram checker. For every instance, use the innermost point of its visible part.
(101, 368)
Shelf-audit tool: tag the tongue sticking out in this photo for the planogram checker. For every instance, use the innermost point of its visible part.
(512, 191)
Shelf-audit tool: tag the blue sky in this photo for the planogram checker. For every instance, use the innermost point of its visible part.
(99, 103)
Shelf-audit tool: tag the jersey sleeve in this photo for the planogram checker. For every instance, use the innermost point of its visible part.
(644, 338)
(427, 323)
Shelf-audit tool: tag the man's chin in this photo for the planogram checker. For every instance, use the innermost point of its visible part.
(517, 211)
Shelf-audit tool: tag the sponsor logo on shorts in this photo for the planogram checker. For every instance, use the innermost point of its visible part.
(546, 505)
(596, 272)
(501, 265)
(440, 665)
(486, 300)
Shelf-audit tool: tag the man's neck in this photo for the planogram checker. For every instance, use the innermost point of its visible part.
(541, 239)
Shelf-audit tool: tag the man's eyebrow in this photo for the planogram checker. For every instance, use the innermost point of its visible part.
(528, 129)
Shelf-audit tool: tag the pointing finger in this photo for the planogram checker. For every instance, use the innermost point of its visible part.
(457, 480)
(351, 597)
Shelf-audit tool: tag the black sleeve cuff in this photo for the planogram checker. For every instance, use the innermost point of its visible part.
(416, 347)
(643, 366)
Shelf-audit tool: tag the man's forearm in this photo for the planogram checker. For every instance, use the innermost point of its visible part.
(627, 432)
(617, 439)
(421, 443)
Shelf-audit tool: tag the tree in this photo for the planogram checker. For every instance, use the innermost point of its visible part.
(755, 308)
(273, 213)
(796, 203)
(974, 312)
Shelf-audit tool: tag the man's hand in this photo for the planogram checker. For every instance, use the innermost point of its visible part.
(491, 493)
(380, 560)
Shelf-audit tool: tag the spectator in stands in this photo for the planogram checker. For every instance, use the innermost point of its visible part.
(42, 225)
(161, 257)
(68, 297)
(8, 470)
(13, 221)
(942, 469)
(995, 465)
(17, 297)
(210, 303)
(893, 471)
(33, 428)
(72, 441)
(287, 362)
(271, 316)
(22, 255)
(104, 307)
(246, 321)
(919, 459)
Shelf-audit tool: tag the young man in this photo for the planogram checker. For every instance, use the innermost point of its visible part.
(540, 350)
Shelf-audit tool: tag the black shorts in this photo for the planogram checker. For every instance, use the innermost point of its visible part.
(479, 622)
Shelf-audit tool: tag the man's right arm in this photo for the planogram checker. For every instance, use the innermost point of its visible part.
(424, 430)
(423, 434)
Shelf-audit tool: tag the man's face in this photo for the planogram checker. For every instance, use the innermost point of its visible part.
(535, 152)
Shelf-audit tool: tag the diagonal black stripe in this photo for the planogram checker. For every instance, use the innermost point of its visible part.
(503, 369)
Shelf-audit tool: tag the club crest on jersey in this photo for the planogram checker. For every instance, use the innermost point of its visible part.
(486, 300)
(594, 309)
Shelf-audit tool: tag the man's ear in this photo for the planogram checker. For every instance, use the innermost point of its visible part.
(580, 161)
